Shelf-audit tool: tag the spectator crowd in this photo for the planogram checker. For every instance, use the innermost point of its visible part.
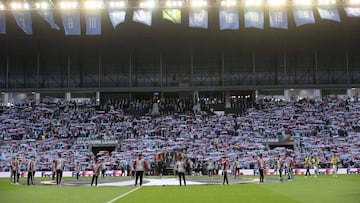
(317, 127)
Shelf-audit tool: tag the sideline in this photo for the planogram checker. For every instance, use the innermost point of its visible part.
(123, 195)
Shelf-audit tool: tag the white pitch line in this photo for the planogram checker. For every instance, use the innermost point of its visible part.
(123, 195)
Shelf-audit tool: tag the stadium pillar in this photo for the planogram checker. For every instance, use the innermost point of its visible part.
(196, 100)
(37, 98)
(192, 69)
(130, 70)
(5, 97)
(227, 99)
(316, 67)
(97, 102)
(317, 93)
(349, 92)
(67, 96)
(286, 95)
(7, 72)
(254, 67)
(195, 96)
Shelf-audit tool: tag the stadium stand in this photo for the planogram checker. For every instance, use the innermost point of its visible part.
(318, 127)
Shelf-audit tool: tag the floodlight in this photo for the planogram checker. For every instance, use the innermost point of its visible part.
(93, 4)
(276, 2)
(228, 3)
(302, 2)
(117, 4)
(252, 3)
(199, 3)
(2, 6)
(16, 5)
(147, 4)
(174, 3)
(354, 1)
(42, 5)
(326, 2)
(68, 4)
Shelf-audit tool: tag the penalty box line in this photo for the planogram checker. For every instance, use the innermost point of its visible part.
(123, 195)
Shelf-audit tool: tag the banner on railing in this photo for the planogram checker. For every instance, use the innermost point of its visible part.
(143, 17)
(329, 13)
(71, 22)
(23, 20)
(93, 23)
(198, 18)
(2, 22)
(229, 19)
(172, 15)
(254, 18)
(352, 11)
(303, 16)
(48, 15)
(117, 17)
(278, 18)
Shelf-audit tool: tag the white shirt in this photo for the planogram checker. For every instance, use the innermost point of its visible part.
(59, 164)
(180, 166)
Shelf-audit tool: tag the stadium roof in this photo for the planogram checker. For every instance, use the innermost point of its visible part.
(164, 36)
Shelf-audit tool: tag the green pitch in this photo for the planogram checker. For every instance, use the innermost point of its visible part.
(325, 188)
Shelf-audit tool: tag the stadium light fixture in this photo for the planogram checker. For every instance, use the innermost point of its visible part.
(42, 4)
(117, 4)
(228, 3)
(68, 4)
(249, 3)
(354, 2)
(274, 3)
(198, 3)
(18, 5)
(2, 6)
(302, 2)
(93, 4)
(147, 4)
(174, 3)
(326, 2)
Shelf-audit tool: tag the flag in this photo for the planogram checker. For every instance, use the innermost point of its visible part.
(229, 19)
(93, 23)
(329, 13)
(143, 17)
(352, 11)
(71, 22)
(278, 18)
(49, 17)
(117, 17)
(303, 16)
(23, 20)
(2, 22)
(254, 18)
(172, 15)
(198, 18)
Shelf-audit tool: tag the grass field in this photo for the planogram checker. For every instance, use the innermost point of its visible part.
(327, 189)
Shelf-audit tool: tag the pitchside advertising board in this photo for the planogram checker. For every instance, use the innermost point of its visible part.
(118, 173)
(23, 174)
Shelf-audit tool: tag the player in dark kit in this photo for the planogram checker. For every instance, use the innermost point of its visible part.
(15, 168)
(31, 169)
